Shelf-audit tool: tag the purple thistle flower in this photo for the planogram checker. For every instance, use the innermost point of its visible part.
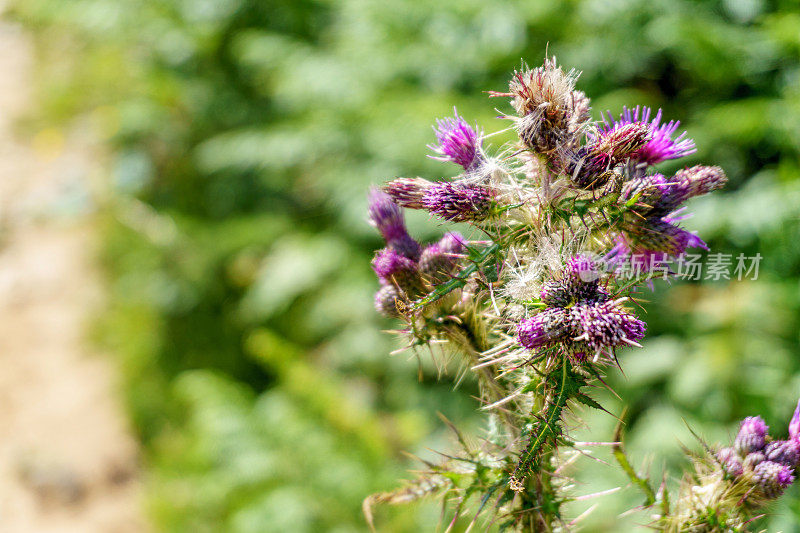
(546, 327)
(393, 267)
(556, 293)
(388, 218)
(606, 325)
(583, 268)
(783, 451)
(386, 301)
(459, 201)
(773, 478)
(794, 424)
(457, 142)
(661, 145)
(752, 435)
(731, 461)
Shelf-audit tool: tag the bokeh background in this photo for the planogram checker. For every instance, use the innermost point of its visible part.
(236, 140)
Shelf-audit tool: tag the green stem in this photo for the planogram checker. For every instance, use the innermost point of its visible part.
(531, 456)
(622, 459)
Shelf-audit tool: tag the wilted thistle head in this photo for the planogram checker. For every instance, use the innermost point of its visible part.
(457, 142)
(661, 146)
(550, 111)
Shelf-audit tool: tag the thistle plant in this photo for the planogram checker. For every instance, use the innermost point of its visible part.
(532, 299)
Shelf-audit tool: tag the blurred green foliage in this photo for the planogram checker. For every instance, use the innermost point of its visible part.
(242, 136)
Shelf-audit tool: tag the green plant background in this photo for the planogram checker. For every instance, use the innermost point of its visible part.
(242, 136)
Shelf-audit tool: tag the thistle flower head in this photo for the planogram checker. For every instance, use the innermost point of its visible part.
(407, 192)
(544, 328)
(606, 325)
(660, 196)
(387, 218)
(551, 112)
(457, 142)
(392, 267)
(620, 143)
(752, 460)
(783, 451)
(794, 424)
(699, 180)
(772, 478)
(647, 244)
(752, 435)
(452, 243)
(730, 461)
(439, 259)
(459, 201)
(661, 145)
(386, 300)
(582, 267)
(596, 327)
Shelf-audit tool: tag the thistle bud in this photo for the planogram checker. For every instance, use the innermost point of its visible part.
(459, 201)
(585, 168)
(439, 259)
(783, 451)
(697, 180)
(386, 300)
(773, 478)
(752, 435)
(388, 218)
(393, 267)
(752, 460)
(407, 192)
(730, 461)
(458, 142)
(794, 424)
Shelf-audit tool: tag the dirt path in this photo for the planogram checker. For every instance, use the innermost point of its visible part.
(67, 460)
